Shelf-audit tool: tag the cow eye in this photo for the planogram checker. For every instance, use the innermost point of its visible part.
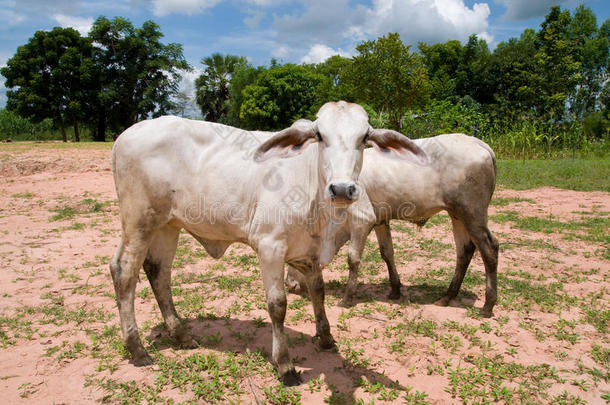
(366, 138)
(318, 137)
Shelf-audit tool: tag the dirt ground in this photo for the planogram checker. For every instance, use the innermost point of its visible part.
(60, 340)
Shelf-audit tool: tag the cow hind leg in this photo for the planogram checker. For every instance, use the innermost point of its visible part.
(124, 268)
(356, 246)
(384, 238)
(315, 285)
(464, 249)
(488, 245)
(157, 267)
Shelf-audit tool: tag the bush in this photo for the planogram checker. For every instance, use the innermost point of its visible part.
(14, 126)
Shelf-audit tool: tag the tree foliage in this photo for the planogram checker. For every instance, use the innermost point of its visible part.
(389, 77)
(52, 74)
(280, 95)
(138, 73)
(212, 87)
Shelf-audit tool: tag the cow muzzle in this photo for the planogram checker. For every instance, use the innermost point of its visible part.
(343, 192)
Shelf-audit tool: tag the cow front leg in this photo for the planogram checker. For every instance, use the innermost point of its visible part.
(157, 267)
(315, 285)
(271, 257)
(124, 268)
(384, 238)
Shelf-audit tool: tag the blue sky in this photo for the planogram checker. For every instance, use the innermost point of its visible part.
(288, 30)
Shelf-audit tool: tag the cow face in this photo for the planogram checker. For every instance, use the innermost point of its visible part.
(341, 131)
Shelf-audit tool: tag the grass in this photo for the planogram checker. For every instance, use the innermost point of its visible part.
(579, 174)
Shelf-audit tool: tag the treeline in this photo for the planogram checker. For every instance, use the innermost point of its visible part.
(110, 79)
(548, 88)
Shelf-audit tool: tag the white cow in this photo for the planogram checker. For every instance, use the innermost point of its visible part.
(459, 177)
(225, 185)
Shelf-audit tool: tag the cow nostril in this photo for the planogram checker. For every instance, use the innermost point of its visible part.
(333, 192)
(351, 191)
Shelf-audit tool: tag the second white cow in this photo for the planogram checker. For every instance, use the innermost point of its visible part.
(458, 176)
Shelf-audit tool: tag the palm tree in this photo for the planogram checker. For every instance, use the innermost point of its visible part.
(212, 87)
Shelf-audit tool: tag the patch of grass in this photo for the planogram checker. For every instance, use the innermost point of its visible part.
(598, 318)
(64, 213)
(579, 174)
(504, 201)
(12, 328)
(26, 194)
(520, 294)
(493, 378)
(280, 395)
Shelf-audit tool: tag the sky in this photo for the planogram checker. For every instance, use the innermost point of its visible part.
(292, 31)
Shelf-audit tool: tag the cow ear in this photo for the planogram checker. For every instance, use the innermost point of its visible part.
(396, 145)
(286, 143)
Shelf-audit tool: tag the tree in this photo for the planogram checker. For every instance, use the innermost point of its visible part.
(442, 61)
(52, 74)
(242, 77)
(556, 65)
(334, 88)
(281, 95)
(590, 46)
(212, 87)
(139, 74)
(389, 77)
(471, 75)
(516, 82)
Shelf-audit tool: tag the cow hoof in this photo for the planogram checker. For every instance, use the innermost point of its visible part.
(291, 378)
(327, 343)
(395, 295)
(486, 313)
(142, 360)
(346, 302)
(443, 302)
(188, 343)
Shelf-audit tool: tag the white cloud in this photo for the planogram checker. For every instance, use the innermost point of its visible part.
(320, 52)
(280, 52)
(187, 87)
(8, 16)
(165, 7)
(525, 9)
(337, 23)
(254, 19)
(81, 24)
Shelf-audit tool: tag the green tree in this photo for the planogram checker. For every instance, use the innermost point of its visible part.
(472, 77)
(442, 61)
(139, 74)
(212, 87)
(334, 88)
(590, 45)
(52, 74)
(516, 83)
(281, 95)
(389, 77)
(242, 77)
(557, 67)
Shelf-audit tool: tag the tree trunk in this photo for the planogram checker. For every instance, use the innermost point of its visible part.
(63, 129)
(76, 133)
(100, 133)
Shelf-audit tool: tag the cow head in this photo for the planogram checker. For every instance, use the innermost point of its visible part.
(341, 130)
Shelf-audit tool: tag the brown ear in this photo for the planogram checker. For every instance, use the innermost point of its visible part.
(286, 143)
(394, 144)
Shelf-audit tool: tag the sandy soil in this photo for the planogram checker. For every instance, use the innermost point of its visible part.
(59, 227)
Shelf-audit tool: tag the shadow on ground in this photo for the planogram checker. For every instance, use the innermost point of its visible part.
(235, 335)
